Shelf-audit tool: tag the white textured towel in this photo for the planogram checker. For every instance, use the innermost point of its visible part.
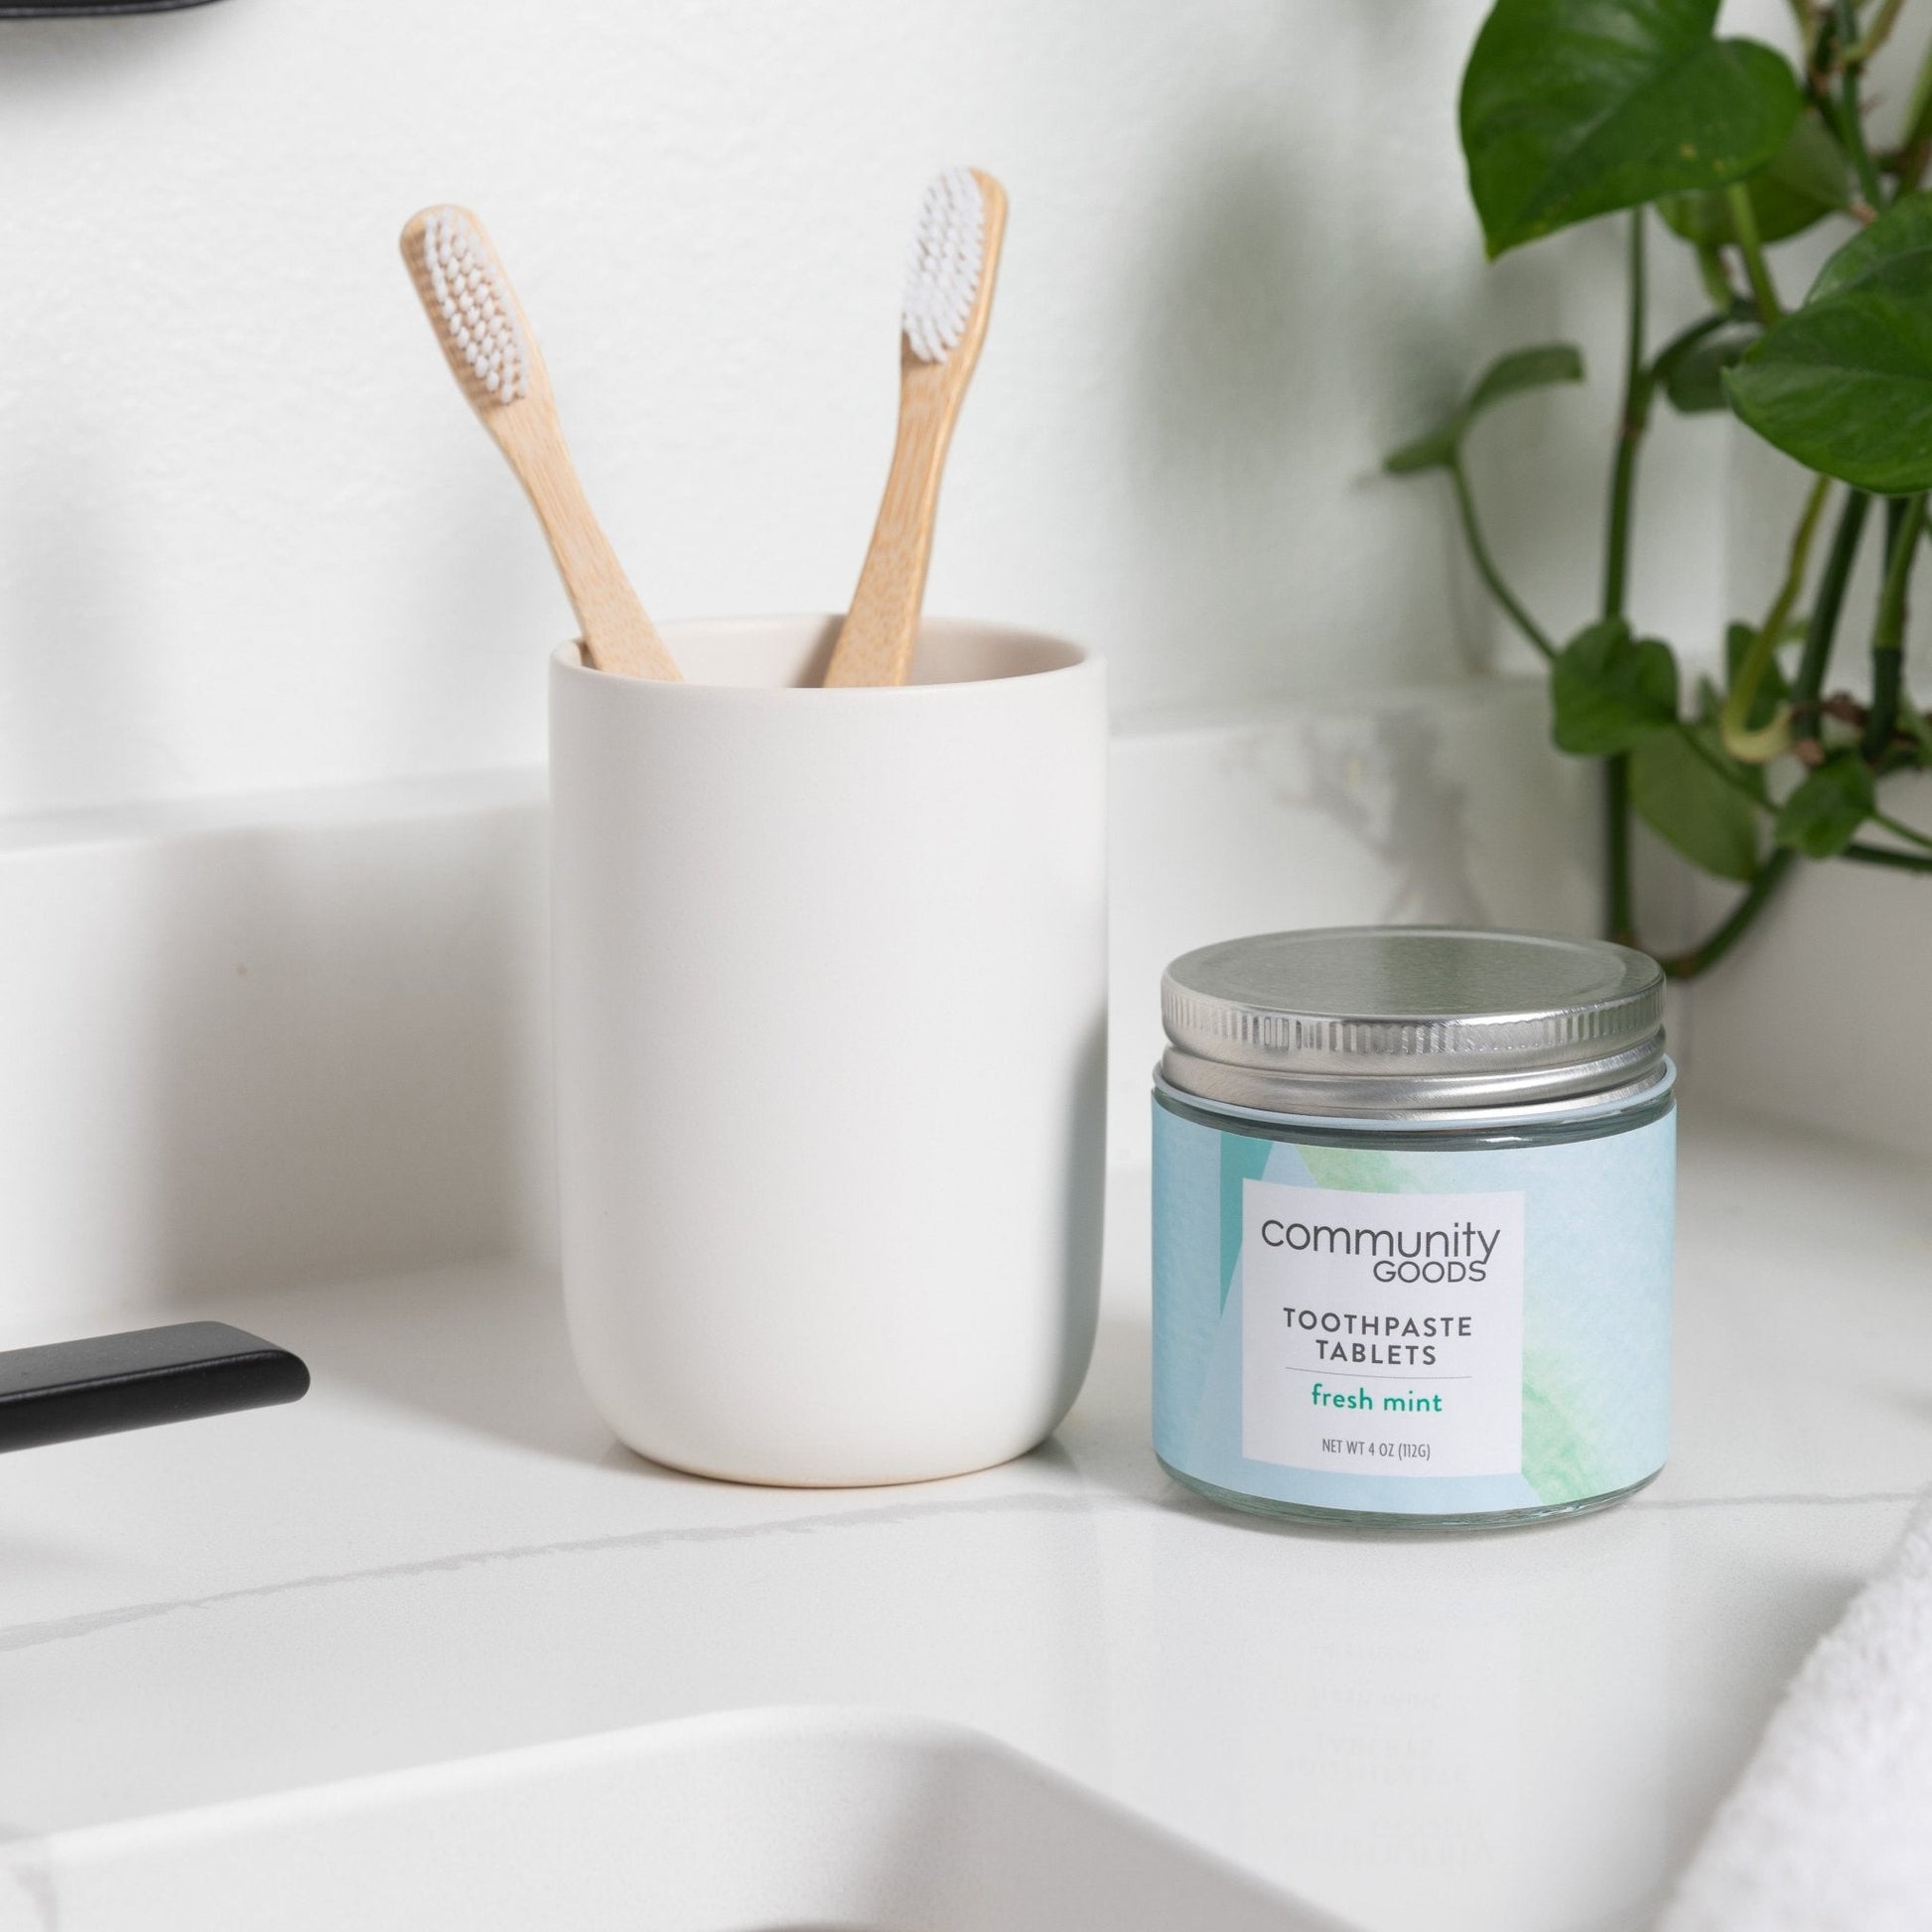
(1830, 1829)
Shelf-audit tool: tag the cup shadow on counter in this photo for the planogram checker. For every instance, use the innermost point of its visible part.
(483, 1349)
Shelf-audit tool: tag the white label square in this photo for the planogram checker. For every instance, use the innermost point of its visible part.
(1382, 1334)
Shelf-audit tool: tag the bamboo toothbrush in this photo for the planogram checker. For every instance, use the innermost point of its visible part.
(493, 356)
(948, 296)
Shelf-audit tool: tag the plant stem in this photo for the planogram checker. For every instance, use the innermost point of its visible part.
(1772, 740)
(1876, 35)
(1823, 628)
(1823, 37)
(1743, 224)
(1879, 854)
(1630, 427)
(1903, 519)
(1794, 570)
(1715, 277)
(1899, 830)
(1851, 128)
(1486, 565)
(1883, 719)
(1619, 908)
(1700, 957)
(1619, 912)
(1915, 147)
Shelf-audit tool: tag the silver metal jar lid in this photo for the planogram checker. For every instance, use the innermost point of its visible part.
(1399, 1021)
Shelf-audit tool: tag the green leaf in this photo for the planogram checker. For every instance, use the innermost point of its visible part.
(1692, 376)
(1845, 383)
(1806, 180)
(1573, 108)
(1821, 817)
(1902, 233)
(1509, 376)
(1679, 787)
(1611, 690)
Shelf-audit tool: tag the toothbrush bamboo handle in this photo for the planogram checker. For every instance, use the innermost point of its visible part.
(618, 635)
(875, 641)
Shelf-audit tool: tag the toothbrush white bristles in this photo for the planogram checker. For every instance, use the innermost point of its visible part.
(492, 354)
(942, 275)
(943, 324)
(474, 300)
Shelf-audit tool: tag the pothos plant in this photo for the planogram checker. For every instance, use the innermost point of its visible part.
(1574, 109)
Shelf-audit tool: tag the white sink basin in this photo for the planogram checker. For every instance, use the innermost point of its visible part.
(745, 1822)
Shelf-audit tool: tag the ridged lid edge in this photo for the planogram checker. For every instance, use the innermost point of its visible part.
(1279, 1037)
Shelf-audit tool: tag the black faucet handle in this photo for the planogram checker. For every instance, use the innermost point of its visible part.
(64, 1390)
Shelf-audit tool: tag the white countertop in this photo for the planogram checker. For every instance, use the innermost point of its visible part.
(441, 1551)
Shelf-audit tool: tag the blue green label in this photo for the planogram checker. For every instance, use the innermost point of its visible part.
(1436, 1332)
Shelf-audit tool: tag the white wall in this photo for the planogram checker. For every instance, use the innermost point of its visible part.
(250, 539)
(252, 548)
(250, 542)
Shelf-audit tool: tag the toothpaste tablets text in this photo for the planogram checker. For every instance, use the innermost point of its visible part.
(1413, 1203)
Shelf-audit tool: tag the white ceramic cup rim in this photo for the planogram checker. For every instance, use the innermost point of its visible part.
(1057, 658)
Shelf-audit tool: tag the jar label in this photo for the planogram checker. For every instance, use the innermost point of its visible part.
(1374, 1329)
(1382, 1331)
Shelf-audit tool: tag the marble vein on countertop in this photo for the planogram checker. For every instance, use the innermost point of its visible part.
(30, 1635)
(24, 1637)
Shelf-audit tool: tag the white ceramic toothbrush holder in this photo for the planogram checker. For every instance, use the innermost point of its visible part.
(831, 1049)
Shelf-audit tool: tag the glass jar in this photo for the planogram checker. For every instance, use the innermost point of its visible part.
(1413, 1201)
